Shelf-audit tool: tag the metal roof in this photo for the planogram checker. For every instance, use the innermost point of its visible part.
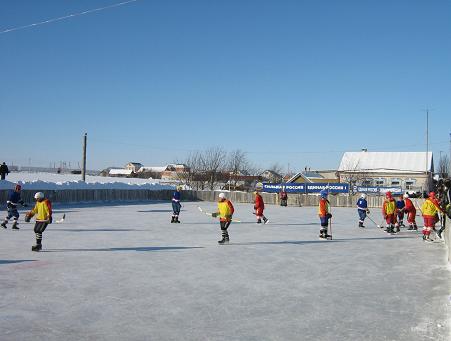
(413, 162)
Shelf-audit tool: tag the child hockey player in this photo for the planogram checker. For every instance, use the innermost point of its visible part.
(176, 206)
(13, 200)
(225, 213)
(411, 211)
(43, 212)
(324, 215)
(400, 205)
(362, 209)
(429, 210)
(389, 213)
(259, 206)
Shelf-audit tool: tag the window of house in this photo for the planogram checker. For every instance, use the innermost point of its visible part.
(410, 183)
(379, 182)
(395, 182)
(367, 182)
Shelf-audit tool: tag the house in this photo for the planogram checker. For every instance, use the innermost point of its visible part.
(120, 172)
(168, 172)
(134, 166)
(308, 176)
(271, 176)
(408, 170)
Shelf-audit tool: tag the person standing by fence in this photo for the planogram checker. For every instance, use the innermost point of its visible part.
(3, 170)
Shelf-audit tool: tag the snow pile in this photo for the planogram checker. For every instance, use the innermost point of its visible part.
(49, 181)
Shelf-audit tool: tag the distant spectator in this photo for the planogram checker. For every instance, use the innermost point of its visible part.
(4, 170)
(283, 196)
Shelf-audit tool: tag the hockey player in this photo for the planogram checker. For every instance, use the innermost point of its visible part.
(43, 212)
(400, 205)
(176, 205)
(411, 211)
(13, 200)
(259, 207)
(324, 215)
(225, 213)
(362, 209)
(429, 211)
(389, 213)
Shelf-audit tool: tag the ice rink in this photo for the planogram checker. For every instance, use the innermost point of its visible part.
(126, 273)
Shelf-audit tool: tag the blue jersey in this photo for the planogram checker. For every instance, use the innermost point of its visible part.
(362, 204)
(176, 196)
(14, 197)
(400, 204)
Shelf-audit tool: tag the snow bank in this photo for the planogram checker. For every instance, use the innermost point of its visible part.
(49, 181)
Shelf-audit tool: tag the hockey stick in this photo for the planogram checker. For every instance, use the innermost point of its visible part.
(211, 215)
(371, 219)
(329, 237)
(59, 221)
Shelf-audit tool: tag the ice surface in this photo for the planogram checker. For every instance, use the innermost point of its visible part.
(127, 273)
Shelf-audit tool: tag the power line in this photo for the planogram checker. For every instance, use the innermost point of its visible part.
(66, 16)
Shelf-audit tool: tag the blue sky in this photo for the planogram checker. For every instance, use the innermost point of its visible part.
(296, 82)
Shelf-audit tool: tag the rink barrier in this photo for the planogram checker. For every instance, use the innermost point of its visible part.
(108, 195)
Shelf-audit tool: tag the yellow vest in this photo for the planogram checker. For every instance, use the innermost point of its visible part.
(41, 211)
(390, 207)
(224, 209)
(428, 208)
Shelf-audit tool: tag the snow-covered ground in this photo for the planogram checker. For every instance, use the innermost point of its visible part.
(126, 273)
(52, 181)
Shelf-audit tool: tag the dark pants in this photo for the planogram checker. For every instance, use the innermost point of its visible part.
(224, 226)
(176, 208)
(12, 212)
(362, 215)
(3, 176)
(39, 227)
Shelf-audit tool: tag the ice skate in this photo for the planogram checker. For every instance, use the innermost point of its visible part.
(172, 219)
(3, 225)
(259, 221)
(15, 227)
(265, 220)
(37, 247)
(361, 224)
(177, 220)
(224, 240)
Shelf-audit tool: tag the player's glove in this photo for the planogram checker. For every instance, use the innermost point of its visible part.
(50, 220)
(228, 217)
(328, 215)
(214, 215)
(367, 211)
(27, 218)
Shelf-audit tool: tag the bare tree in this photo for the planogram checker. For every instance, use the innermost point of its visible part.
(443, 166)
(193, 177)
(277, 171)
(214, 162)
(237, 165)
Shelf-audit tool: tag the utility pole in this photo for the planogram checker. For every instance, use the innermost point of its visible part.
(427, 182)
(83, 171)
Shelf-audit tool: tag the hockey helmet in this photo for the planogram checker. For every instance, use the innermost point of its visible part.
(323, 193)
(405, 196)
(221, 196)
(18, 187)
(388, 195)
(432, 195)
(363, 196)
(39, 195)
